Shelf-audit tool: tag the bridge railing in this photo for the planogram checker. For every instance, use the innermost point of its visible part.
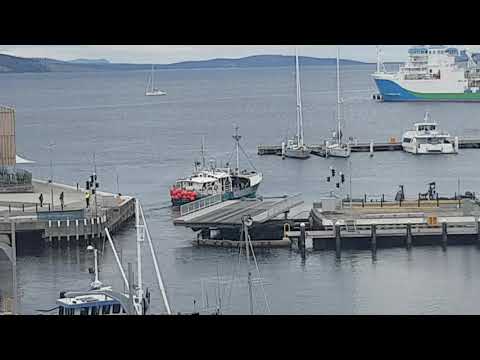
(200, 204)
(279, 208)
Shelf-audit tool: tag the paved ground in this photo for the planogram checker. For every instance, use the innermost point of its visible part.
(73, 199)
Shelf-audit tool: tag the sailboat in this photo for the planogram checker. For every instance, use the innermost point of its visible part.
(295, 148)
(337, 148)
(103, 300)
(151, 90)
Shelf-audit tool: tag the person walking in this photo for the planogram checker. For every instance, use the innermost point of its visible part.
(61, 200)
(87, 198)
(41, 200)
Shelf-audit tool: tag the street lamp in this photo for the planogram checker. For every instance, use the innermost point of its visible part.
(96, 284)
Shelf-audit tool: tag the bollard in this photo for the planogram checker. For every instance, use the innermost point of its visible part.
(9, 208)
(438, 201)
(374, 241)
(36, 207)
(409, 236)
(444, 236)
(418, 199)
(478, 231)
(23, 207)
(301, 240)
(381, 201)
(338, 242)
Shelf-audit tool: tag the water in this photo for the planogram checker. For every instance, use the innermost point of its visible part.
(149, 142)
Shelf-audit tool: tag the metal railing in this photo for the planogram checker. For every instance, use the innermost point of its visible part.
(200, 204)
(279, 208)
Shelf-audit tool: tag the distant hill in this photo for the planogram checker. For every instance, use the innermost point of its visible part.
(89, 61)
(13, 64)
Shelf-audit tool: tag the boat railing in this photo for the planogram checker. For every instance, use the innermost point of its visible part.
(200, 204)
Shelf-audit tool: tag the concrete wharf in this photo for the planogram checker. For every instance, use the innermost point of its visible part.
(390, 224)
(34, 225)
(319, 149)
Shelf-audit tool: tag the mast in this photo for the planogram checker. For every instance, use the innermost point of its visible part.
(378, 59)
(140, 233)
(203, 152)
(153, 77)
(237, 139)
(339, 137)
(299, 102)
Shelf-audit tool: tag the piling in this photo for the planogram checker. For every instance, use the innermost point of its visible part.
(444, 236)
(338, 241)
(409, 236)
(301, 240)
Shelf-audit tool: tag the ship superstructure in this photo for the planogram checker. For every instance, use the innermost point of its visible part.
(432, 73)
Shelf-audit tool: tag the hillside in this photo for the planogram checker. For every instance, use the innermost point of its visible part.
(13, 64)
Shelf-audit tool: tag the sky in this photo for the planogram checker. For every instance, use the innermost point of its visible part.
(165, 54)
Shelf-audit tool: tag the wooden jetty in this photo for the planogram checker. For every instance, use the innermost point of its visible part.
(319, 149)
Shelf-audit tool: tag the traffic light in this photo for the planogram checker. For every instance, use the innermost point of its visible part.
(333, 172)
(338, 185)
(328, 178)
(343, 178)
(87, 185)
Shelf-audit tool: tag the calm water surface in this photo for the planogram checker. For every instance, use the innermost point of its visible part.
(149, 142)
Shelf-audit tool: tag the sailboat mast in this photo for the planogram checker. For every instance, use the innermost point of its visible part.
(299, 101)
(153, 77)
(338, 96)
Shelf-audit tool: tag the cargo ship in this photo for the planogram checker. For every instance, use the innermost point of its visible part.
(230, 183)
(432, 73)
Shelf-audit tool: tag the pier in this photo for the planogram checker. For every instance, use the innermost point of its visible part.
(36, 225)
(319, 149)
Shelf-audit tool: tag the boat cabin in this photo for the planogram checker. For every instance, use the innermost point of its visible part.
(90, 305)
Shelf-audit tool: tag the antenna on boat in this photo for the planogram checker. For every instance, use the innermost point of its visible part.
(237, 138)
(203, 152)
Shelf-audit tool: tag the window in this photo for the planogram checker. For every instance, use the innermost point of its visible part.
(106, 309)
(407, 140)
(84, 311)
(116, 308)
(61, 310)
(95, 310)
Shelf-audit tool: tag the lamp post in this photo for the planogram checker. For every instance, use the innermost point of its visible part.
(50, 151)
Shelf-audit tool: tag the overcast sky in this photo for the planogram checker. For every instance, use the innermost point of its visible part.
(164, 54)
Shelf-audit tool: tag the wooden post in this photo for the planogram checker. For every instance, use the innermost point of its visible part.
(374, 241)
(444, 236)
(418, 199)
(478, 231)
(301, 241)
(14, 268)
(338, 242)
(409, 236)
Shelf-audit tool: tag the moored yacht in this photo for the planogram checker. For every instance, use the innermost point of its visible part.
(295, 148)
(426, 138)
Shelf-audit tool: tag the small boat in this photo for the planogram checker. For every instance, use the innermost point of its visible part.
(103, 300)
(337, 148)
(426, 138)
(229, 183)
(151, 89)
(295, 148)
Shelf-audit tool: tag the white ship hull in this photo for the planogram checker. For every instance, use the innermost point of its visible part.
(420, 149)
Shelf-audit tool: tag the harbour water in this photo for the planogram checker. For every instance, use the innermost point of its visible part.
(146, 143)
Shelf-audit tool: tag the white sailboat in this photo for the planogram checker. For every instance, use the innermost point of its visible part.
(151, 90)
(295, 148)
(337, 148)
